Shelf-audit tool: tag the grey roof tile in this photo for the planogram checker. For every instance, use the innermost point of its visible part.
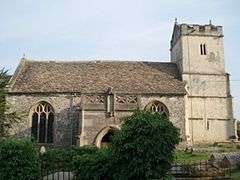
(97, 77)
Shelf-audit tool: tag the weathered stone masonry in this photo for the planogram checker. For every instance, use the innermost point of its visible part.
(92, 109)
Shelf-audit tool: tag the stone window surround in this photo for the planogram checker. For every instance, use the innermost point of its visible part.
(157, 106)
(31, 112)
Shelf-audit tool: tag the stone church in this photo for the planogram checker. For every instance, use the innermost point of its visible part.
(84, 102)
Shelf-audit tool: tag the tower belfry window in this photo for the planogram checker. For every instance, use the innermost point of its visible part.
(203, 49)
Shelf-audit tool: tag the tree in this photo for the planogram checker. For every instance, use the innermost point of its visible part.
(7, 119)
(143, 148)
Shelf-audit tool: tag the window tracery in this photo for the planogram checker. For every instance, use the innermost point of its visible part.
(158, 107)
(42, 123)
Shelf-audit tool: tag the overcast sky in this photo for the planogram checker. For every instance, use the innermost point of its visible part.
(111, 29)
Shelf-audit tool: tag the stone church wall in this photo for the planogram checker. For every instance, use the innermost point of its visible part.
(22, 104)
(92, 116)
(176, 107)
(211, 120)
(207, 85)
(213, 62)
(95, 121)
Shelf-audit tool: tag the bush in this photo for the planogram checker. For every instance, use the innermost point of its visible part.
(58, 159)
(19, 160)
(55, 159)
(92, 166)
(143, 148)
(84, 150)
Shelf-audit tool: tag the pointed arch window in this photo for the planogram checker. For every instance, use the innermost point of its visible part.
(42, 123)
(158, 107)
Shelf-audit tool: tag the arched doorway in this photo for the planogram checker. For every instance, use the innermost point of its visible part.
(104, 136)
(107, 138)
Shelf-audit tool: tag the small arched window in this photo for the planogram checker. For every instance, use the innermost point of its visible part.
(42, 123)
(158, 107)
(203, 49)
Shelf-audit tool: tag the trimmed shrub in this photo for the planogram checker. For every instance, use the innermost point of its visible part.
(92, 166)
(61, 159)
(144, 147)
(55, 159)
(84, 150)
(19, 160)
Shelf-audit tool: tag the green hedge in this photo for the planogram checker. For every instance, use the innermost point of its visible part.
(18, 160)
(58, 159)
(93, 166)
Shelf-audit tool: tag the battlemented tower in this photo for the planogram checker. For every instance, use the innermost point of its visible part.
(199, 53)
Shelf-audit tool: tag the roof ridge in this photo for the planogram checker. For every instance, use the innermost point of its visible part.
(96, 61)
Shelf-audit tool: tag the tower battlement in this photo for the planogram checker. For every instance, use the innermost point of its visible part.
(209, 30)
(196, 29)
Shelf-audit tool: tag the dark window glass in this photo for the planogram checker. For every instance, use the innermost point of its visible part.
(42, 128)
(34, 126)
(204, 49)
(201, 49)
(208, 125)
(50, 128)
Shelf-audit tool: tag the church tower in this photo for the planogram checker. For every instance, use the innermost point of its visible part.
(199, 53)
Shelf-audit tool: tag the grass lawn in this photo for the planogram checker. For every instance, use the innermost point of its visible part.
(181, 157)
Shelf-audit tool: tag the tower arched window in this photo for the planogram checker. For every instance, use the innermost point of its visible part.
(42, 123)
(158, 107)
(203, 49)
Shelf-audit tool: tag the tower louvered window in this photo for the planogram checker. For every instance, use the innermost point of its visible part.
(42, 123)
(203, 49)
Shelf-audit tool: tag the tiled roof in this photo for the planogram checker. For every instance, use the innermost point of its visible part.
(96, 77)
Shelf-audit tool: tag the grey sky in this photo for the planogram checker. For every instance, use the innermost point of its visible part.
(111, 29)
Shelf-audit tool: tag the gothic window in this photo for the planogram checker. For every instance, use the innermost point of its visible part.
(203, 49)
(42, 123)
(158, 107)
